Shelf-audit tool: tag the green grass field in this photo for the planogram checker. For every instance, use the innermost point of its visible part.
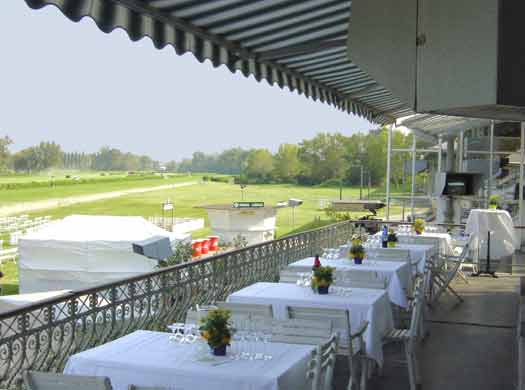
(187, 202)
(13, 196)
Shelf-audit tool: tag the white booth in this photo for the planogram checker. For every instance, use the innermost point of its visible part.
(81, 251)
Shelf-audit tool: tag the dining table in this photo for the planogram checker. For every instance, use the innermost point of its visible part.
(397, 274)
(153, 359)
(363, 304)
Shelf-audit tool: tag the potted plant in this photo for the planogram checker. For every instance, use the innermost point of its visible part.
(494, 201)
(392, 238)
(357, 251)
(216, 329)
(419, 226)
(322, 278)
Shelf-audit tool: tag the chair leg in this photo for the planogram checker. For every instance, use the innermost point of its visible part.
(411, 368)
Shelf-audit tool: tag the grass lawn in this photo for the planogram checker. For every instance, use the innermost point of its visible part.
(12, 196)
(188, 199)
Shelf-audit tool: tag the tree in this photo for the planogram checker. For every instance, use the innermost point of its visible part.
(322, 158)
(286, 163)
(259, 165)
(4, 152)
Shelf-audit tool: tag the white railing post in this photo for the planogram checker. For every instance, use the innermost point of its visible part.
(388, 162)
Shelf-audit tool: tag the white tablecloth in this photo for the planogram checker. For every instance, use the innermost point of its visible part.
(363, 304)
(397, 274)
(446, 247)
(150, 359)
(503, 241)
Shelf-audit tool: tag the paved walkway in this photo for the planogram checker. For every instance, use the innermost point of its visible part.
(471, 346)
(25, 207)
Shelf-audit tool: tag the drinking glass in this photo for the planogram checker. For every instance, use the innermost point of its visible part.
(266, 336)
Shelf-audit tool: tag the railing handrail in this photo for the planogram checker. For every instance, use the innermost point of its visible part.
(90, 290)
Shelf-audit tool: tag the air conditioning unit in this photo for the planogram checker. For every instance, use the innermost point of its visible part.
(450, 57)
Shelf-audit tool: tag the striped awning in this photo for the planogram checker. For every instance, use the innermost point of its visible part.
(436, 125)
(296, 44)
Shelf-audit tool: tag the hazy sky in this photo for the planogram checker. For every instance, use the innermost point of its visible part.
(69, 82)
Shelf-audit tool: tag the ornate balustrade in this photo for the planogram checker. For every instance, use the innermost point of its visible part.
(42, 336)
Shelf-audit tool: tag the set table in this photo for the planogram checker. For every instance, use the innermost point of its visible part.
(397, 274)
(147, 358)
(363, 304)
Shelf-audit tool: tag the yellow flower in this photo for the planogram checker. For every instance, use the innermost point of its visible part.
(226, 340)
(205, 334)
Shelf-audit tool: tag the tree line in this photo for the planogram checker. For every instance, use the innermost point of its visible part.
(48, 155)
(324, 159)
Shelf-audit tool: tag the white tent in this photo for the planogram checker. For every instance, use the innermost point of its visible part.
(80, 251)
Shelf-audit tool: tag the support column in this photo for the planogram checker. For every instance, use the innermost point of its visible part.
(388, 158)
(413, 184)
(460, 150)
(491, 161)
(450, 154)
(440, 144)
(522, 161)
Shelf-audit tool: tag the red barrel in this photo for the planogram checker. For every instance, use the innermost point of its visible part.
(197, 247)
(214, 243)
(205, 246)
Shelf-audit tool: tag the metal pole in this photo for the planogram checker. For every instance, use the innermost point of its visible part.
(440, 143)
(491, 161)
(522, 161)
(413, 184)
(460, 150)
(340, 189)
(369, 184)
(388, 157)
(361, 184)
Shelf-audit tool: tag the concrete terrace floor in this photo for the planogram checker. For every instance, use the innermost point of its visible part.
(472, 345)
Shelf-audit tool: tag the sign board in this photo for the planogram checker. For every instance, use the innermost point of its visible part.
(167, 206)
(246, 205)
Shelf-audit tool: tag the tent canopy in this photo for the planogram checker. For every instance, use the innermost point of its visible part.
(81, 251)
(296, 44)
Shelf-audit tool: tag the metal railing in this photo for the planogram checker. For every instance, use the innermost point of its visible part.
(42, 336)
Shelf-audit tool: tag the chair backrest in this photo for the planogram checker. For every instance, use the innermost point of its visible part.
(422, 240)
(194, 316)
(135, 387)
(51, 381)
(361, 279)
(390, 254)
(291, 275)
(339, 318)
(249, 310)
(300, 331)
(417, 311)
(322, 365)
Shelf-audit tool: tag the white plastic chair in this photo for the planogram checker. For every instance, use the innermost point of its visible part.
(291, 275)
(350, 344)
(134, 387)
(299, 331)
(410, 337)
(250, 310)
(35, 380)
(322, 365)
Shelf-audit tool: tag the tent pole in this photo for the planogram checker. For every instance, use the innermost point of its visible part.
(388, 158)
(413, 184)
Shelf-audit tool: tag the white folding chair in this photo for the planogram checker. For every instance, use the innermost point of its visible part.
(249, 310)
(410, 337)
(299, 331)
(194, 316)
(35, 380)
(393, 254)
(290, 275)
(444, 273)
(322, 365)
(360, 279)
(350, 344)
(134, 387)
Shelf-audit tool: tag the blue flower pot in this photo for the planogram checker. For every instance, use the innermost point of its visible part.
(358, 260)
(323, 290)
(219, 351)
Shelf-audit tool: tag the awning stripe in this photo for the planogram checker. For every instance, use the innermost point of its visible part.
(294, 44)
